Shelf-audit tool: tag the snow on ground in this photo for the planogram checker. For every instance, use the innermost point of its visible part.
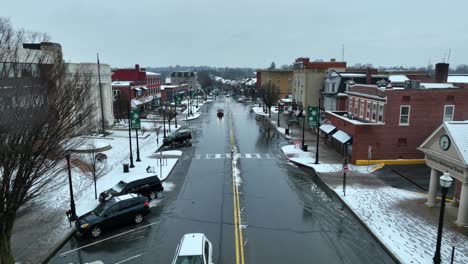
(195, 116)
(403, 232)
(409, 237)
(259, 111)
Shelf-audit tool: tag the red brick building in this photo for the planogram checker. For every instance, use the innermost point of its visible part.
(393, 121)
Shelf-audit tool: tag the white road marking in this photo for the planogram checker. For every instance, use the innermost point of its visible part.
(228, 155)
(237, 155)
(268, 156)
(130, 258)
(217, 156)
(259, 156)
(248, 156)
(105, 239)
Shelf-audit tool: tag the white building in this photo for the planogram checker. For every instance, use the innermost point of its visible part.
(91, 69)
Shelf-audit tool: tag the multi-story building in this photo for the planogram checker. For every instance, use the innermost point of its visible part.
(308, 80)
(101, 93)
(185, 77)
(282, 79)
(135, 93)
(336, 84)
(391, 122)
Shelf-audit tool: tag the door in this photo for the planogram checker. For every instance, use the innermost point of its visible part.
(111, 216)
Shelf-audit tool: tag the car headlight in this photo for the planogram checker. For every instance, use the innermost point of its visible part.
(84, 225)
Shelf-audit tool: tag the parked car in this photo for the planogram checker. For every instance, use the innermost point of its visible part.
(194, 248)
(149, 187)
(178, 137)
(112, 213)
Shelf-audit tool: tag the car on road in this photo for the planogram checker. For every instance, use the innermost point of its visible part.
(194, 248)
(114, 212)
(178, 137)
(220, 113)
(149, 187)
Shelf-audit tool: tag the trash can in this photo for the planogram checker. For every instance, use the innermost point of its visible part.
(287, 131)
(304, 147)
(125, 167)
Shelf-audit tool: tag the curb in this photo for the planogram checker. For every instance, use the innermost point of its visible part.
(330, 191)
(58, 245)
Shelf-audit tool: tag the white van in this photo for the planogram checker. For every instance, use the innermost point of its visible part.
(194, 248)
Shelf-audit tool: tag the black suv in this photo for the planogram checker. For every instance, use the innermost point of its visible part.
(114, 212)
(149, 187)
(178, 137)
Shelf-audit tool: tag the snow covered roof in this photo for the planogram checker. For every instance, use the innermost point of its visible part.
(437, 85)
(327, 128)
(153, 73)
(341, 136)
(353, 75)
(163, 87)
(458, 131)
(398, 78)
(457, 79)
(121, 83)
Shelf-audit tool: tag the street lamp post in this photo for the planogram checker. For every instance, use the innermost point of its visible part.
(164, 118)
(318, 135)
(72, 201)
(278, 114)
(175, 108)
(303, 129)
(445, 182)
(130, 126)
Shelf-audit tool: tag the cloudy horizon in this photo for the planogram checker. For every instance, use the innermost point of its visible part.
(244, 33)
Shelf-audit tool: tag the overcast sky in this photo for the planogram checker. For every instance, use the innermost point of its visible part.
(250, 33)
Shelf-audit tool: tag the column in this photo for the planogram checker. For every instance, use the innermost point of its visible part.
(433, 186)
(462, 218)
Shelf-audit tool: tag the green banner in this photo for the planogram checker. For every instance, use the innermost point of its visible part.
(135, 119)
(313, 114)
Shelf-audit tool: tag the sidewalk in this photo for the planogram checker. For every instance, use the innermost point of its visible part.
(398, 218)
(42, 226)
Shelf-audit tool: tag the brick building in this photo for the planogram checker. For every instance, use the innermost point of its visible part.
(394, 121)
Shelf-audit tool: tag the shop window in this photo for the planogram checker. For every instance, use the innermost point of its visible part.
(404, 115)
(356, 107)
(374, 110)
(350, 105)
(361, 109)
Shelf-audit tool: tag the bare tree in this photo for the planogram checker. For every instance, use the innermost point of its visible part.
(170, 114)
(96, 165)
(42, 108)
(270, 95)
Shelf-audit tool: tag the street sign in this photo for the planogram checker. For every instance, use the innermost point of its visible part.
(178, 99)
(312, 112)
(135, 119)
(345, 169)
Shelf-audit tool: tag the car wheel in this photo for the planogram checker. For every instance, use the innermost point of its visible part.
(153, 195)
(96, 231)
(138, 218)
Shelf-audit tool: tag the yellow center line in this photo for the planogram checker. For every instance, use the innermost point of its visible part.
(237, 220)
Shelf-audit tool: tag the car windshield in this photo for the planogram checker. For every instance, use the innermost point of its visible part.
(190, 260)
(101, 209)
(119, 186)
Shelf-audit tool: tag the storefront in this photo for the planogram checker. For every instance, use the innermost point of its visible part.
(446, 151)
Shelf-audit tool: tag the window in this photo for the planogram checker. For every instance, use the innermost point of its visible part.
(116, 93)
(380, 113)
(448, 112)
(356, 106)
(404, 115)
(361, 109)
(350, 105)
(333, 87)
(114, 209)
(368, 111)
(374, 110)
(207, 251)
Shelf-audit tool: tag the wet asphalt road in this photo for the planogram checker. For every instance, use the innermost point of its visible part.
(286, 217)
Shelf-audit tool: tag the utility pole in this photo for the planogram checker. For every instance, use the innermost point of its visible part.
(130, 126)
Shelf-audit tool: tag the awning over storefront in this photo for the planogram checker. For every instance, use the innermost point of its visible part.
(327, 128)
(342, 136)
(136, 89)
(144, 88)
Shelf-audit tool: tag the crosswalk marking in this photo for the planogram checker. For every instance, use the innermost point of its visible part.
(210, 156)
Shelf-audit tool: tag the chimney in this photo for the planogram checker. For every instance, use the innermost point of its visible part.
(137, 67)
(368, 75)
(441, 72)
(332, 59)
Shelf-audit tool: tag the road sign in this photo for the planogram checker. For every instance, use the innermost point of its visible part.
(178, 99)
(135, 119)
(345, 169)
(313, 113)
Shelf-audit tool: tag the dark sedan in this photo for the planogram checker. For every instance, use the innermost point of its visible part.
(112, 213)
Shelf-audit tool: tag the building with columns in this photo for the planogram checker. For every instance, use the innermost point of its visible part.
(446, 150)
